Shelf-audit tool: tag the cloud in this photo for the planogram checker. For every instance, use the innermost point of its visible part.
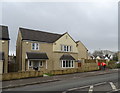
(95, 24)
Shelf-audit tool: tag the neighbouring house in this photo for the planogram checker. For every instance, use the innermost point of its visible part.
(38, 50)
(98, 57)
(103, 55)
(82, 50)
(4, 49)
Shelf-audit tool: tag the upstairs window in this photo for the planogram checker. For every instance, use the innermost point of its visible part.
(66, 48)
(35, 46)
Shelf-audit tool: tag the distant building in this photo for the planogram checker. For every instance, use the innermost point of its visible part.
(103, 54)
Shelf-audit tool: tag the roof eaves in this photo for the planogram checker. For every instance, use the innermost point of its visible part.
(35, 40)
(82, 44)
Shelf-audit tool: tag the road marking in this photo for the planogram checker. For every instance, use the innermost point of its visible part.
(100, 83)
(91, 89)
(78, 88)
(75, 88)
(84, 87)
(113, 86)
(72, 89)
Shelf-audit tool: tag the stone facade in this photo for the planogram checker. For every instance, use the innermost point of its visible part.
(53, 51)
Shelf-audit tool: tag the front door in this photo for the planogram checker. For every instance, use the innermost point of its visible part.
(36, 65)
(79, 64)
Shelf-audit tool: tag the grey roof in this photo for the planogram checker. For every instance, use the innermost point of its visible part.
(4, 35)
(37, 56)
(2, 56)
(67, 57)
(34, 35)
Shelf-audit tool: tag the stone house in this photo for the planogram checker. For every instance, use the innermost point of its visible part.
(4, 49)
(39, 50)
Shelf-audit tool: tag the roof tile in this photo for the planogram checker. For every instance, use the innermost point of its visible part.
(34, 35)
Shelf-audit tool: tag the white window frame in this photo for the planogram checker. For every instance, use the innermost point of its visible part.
(68, 63)
(35, 46)
(66, 48)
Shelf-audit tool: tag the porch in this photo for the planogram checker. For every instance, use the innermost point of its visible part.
(36, 61)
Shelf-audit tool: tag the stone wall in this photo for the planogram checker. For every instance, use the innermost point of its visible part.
(27, 74)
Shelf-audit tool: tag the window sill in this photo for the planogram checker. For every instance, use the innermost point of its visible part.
(64, 52)
(35, 50)
(67, 67)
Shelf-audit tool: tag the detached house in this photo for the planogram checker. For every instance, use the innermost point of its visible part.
(4, 49)
(38, 50)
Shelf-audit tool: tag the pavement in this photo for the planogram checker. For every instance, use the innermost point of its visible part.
(39, 80)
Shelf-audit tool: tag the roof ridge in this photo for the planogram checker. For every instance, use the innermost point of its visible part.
(5, 32)
(39, 31)
(3, 25)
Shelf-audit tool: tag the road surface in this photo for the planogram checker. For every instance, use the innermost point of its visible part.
(106, 83)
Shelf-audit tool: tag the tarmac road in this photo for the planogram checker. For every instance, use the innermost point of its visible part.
(106, 82)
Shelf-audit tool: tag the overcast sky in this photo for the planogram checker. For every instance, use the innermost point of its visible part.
(93, 23)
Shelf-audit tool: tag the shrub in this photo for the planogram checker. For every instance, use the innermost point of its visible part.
(118, 65)
(112, 64)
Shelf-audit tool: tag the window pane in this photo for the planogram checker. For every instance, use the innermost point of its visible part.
(72, 63)
(30, 63)
(33, 46)
(67, 48)
(64, 48)
(63, 63)
(67, 63)
(37, 45)
(70, 48)
(41, 63)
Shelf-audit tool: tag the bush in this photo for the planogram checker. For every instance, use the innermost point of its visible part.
(118, 65)
(112, 65)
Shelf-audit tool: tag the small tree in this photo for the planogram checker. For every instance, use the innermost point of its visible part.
(97, 53)
(115, 57)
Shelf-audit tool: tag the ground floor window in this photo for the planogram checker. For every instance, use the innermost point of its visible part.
(30, 63)
(67, 63)
(41, 63)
